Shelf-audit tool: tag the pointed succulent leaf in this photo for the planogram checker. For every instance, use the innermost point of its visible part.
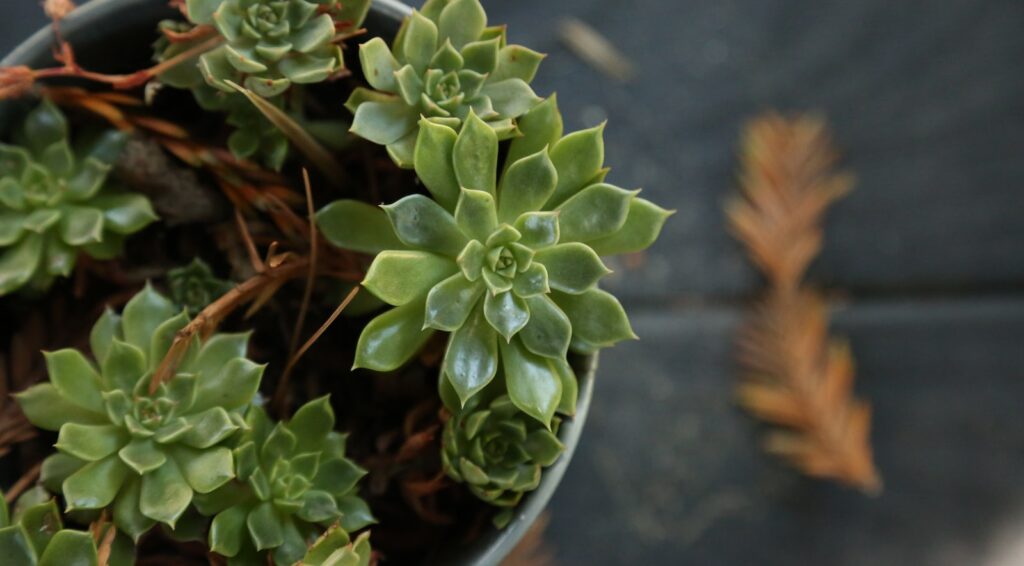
(572, 267)
(594, 212)
(642, 226)
(596, 316)
(532, 385)
(205, 470)
(422, 223)
(143, 314)
(420, 41)
(311, 424)
(577, 158)
(96, 484)
(208, 428)
(90, 442)
(142, 455)
(450, 302)
(75, 379)
(401, 277)
(526, 186)
(549, 331)
(476, 155)
(391, 339)
(19, 263)
(122, 366)
(476, 214)
(127, 515)
(384, 122)
(516, 62)
(357, 226)
(125, 213)
(539, 229)
(507, 313)
(165, 494)
(44, 126)
(433, 162)
(70, 548)
(510, 97)
(540, 127)
(228, 531)
(462, 21)
(264, 527)
(232, 388)
(355, 513)
(471, 360)
(47, 408)
(481, 56)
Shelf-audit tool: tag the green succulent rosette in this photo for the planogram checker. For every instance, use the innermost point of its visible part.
(335, 548)
(56, 202)
(508, 264)
(269, 44)
(33, 534)
(498, 452)
(194, 286)
(146, 455)
(293, 481)
(444, 63)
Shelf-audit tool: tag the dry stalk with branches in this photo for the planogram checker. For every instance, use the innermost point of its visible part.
(795, 375)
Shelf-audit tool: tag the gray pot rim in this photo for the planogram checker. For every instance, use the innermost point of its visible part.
(493, 545)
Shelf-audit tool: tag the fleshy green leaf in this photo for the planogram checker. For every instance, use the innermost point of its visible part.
(205, 470)
(218, 350)
(541, 127)
(476, 214)
(400, 277)
(164, 336)
(481, 56)
(90, 442)
(507, 313)
(19, 263)
(265, 526)
(526, 186)
(549, 330)
(208, 428)
(311, 424)
(201, 11)
(517, 62)
(232, 388)
(471, 360)
(44, 126)
(432, 160)
(96, 484)
(577, 158)
(573, 267)
(125, 213)
(462, 21)
(338, 477)
(75, 378)
(357, 226)
(476, 155)
(70, 548)
(596, 316)
(424, 224)
(391, 339)
(165, 494)
(143, 314)
(532, 384)
(142, 455)
(594, 212)
(378, 65)
(419, 42)
(227, 531)
(510, 97)
(46, 408)
(123, 366)
(532, 282)
(127, 515)
(384, 122)
(355, 513)
(451, 301)
(81, 225)
(642, 227)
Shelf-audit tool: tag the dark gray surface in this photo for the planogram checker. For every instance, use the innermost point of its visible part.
(927, 99)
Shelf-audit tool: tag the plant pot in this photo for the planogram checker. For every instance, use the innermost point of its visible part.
(114, 36)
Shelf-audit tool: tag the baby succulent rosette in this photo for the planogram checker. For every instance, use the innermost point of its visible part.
(508, 264)
(293, 480)
(499, 452)
(194, 286)
(32, 534)
(56, 202)
(443, 63)
(145, 454)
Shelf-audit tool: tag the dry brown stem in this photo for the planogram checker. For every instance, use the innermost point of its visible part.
(795, 375)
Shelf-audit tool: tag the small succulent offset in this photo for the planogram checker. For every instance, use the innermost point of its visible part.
(335, 548)
(194, 286)
(499, 452)
(444, 63)
(144, 454)
(508, 264)
(32, 534)
(293, 480)
(56, 202)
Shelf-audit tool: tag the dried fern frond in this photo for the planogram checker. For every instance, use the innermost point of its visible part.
(795, 375)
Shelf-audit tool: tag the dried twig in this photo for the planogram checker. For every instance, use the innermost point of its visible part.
(23, 483)
(797, 377)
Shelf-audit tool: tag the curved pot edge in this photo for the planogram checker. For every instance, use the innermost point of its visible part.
(494, 545)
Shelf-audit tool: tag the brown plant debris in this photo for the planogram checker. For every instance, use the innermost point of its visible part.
(595, 50)
(795, 375)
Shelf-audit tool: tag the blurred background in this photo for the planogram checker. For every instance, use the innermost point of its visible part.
(923, 265)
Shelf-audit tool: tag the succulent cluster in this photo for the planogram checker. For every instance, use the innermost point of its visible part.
(443, 64)
(56, 202)
(33, 534)
(498, 452)
(146, 454)
(292, 480)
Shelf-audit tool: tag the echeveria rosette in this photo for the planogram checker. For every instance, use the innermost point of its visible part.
(443, 63)
(33, 534)
(194, 286)
(498, 452)
(56, 201)
(269, 44)
(145, 455)
(293, 481)
(509, 267)
(335, 548)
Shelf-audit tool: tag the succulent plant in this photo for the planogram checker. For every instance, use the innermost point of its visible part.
(509, 266)
(444, 63)
(33, 534)
(194, 286)
(144, 454)
(335, 548)
(56, 202)
(498, 452)
(293, 480)
(269, 44)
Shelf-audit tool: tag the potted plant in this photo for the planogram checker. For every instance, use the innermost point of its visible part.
(321, 276)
